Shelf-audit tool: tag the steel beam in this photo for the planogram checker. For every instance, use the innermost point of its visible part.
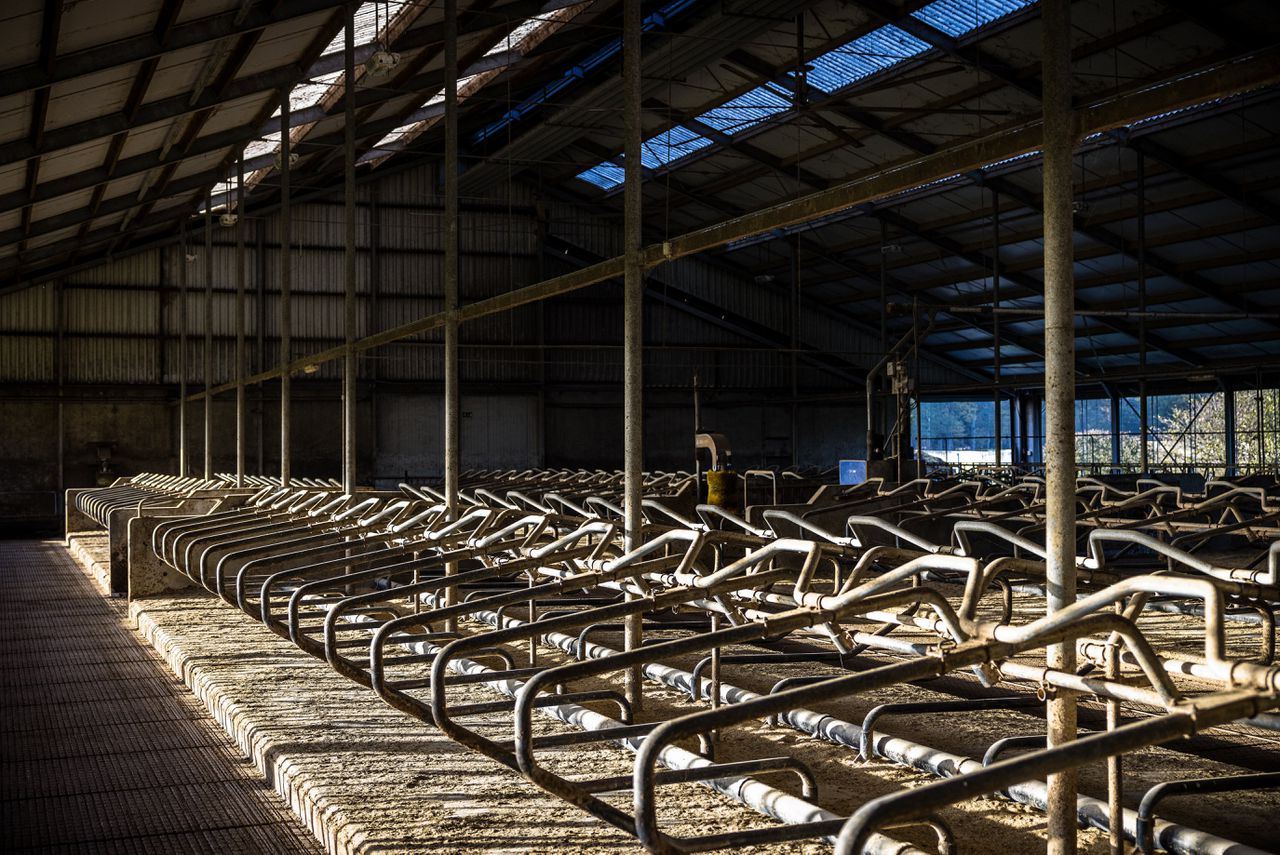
(214, 28)
(1230, 78)
(985, 262)
(1208, 177)
(971, 55)
(1122, 247)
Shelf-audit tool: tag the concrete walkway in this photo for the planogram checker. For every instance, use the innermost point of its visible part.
(101, 748)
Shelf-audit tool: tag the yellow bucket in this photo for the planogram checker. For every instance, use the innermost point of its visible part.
(721, 489)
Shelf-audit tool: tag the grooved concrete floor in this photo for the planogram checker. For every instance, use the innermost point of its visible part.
(101, 748)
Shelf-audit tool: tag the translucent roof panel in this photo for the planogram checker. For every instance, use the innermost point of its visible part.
(1160, 117)
(958, 17)
(747, 110)
(671, 145)
(863, 57)
(267, 144)
(524, 38)
(370, 18)
(517, 38)
(658, 20)
(606, 176)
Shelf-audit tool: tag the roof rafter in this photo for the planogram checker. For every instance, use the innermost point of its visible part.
(1153, 261)
(1208, 177)
(51, 23)
(971, 55)
(982, 260)
(29, 78)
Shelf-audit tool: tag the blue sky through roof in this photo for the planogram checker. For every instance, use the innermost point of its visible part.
(670, 145)
(747, 110)
(844, 66)
(606, 176)
(959, 17)
(863, 57)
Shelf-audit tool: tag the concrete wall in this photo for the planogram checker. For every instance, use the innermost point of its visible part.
(499, 431)
(584, 429)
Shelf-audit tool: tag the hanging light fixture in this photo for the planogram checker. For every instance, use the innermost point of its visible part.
(228, 217)
(382, 61)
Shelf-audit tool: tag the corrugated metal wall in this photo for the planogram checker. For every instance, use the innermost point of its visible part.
(768, 305)
(121, 319)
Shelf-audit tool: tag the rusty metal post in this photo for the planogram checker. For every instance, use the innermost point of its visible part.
(1060, 472)
(241, 428)
(633, 321)
(1114, 400)
(286, 288)
(1144, 460)
(260, 346)
(995, 318)
(60, 373)
(208, 333)
(182, 352)
(452, 394)
(795, 351)
(349, 256)
(1229, 451)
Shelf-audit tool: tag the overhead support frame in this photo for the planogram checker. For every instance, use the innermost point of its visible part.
(1257, 71)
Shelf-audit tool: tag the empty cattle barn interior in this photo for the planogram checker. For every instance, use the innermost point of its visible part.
(609, 425)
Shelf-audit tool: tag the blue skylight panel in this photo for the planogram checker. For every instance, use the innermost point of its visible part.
(960, 17)
(671, 145)
(863, 57)
(656, 21)
(606, 176)
(746, 110)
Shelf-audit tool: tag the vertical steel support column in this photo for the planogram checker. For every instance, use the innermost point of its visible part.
(59, 373)
(165, 273)
(241, 428)
(1258, 415)
(260, 342)
(286, 289)
(452, 395)
(1229, 429)
(1144, 460)
(995, 318)
(373, 311)
(633, 321)
(795, 348)
(1115, 428)
(182, 351)
(1060, 472)
(802, 83)
(915, 372)
(877, 424)
(208, 334)
(1019, 427)
(349, 255)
